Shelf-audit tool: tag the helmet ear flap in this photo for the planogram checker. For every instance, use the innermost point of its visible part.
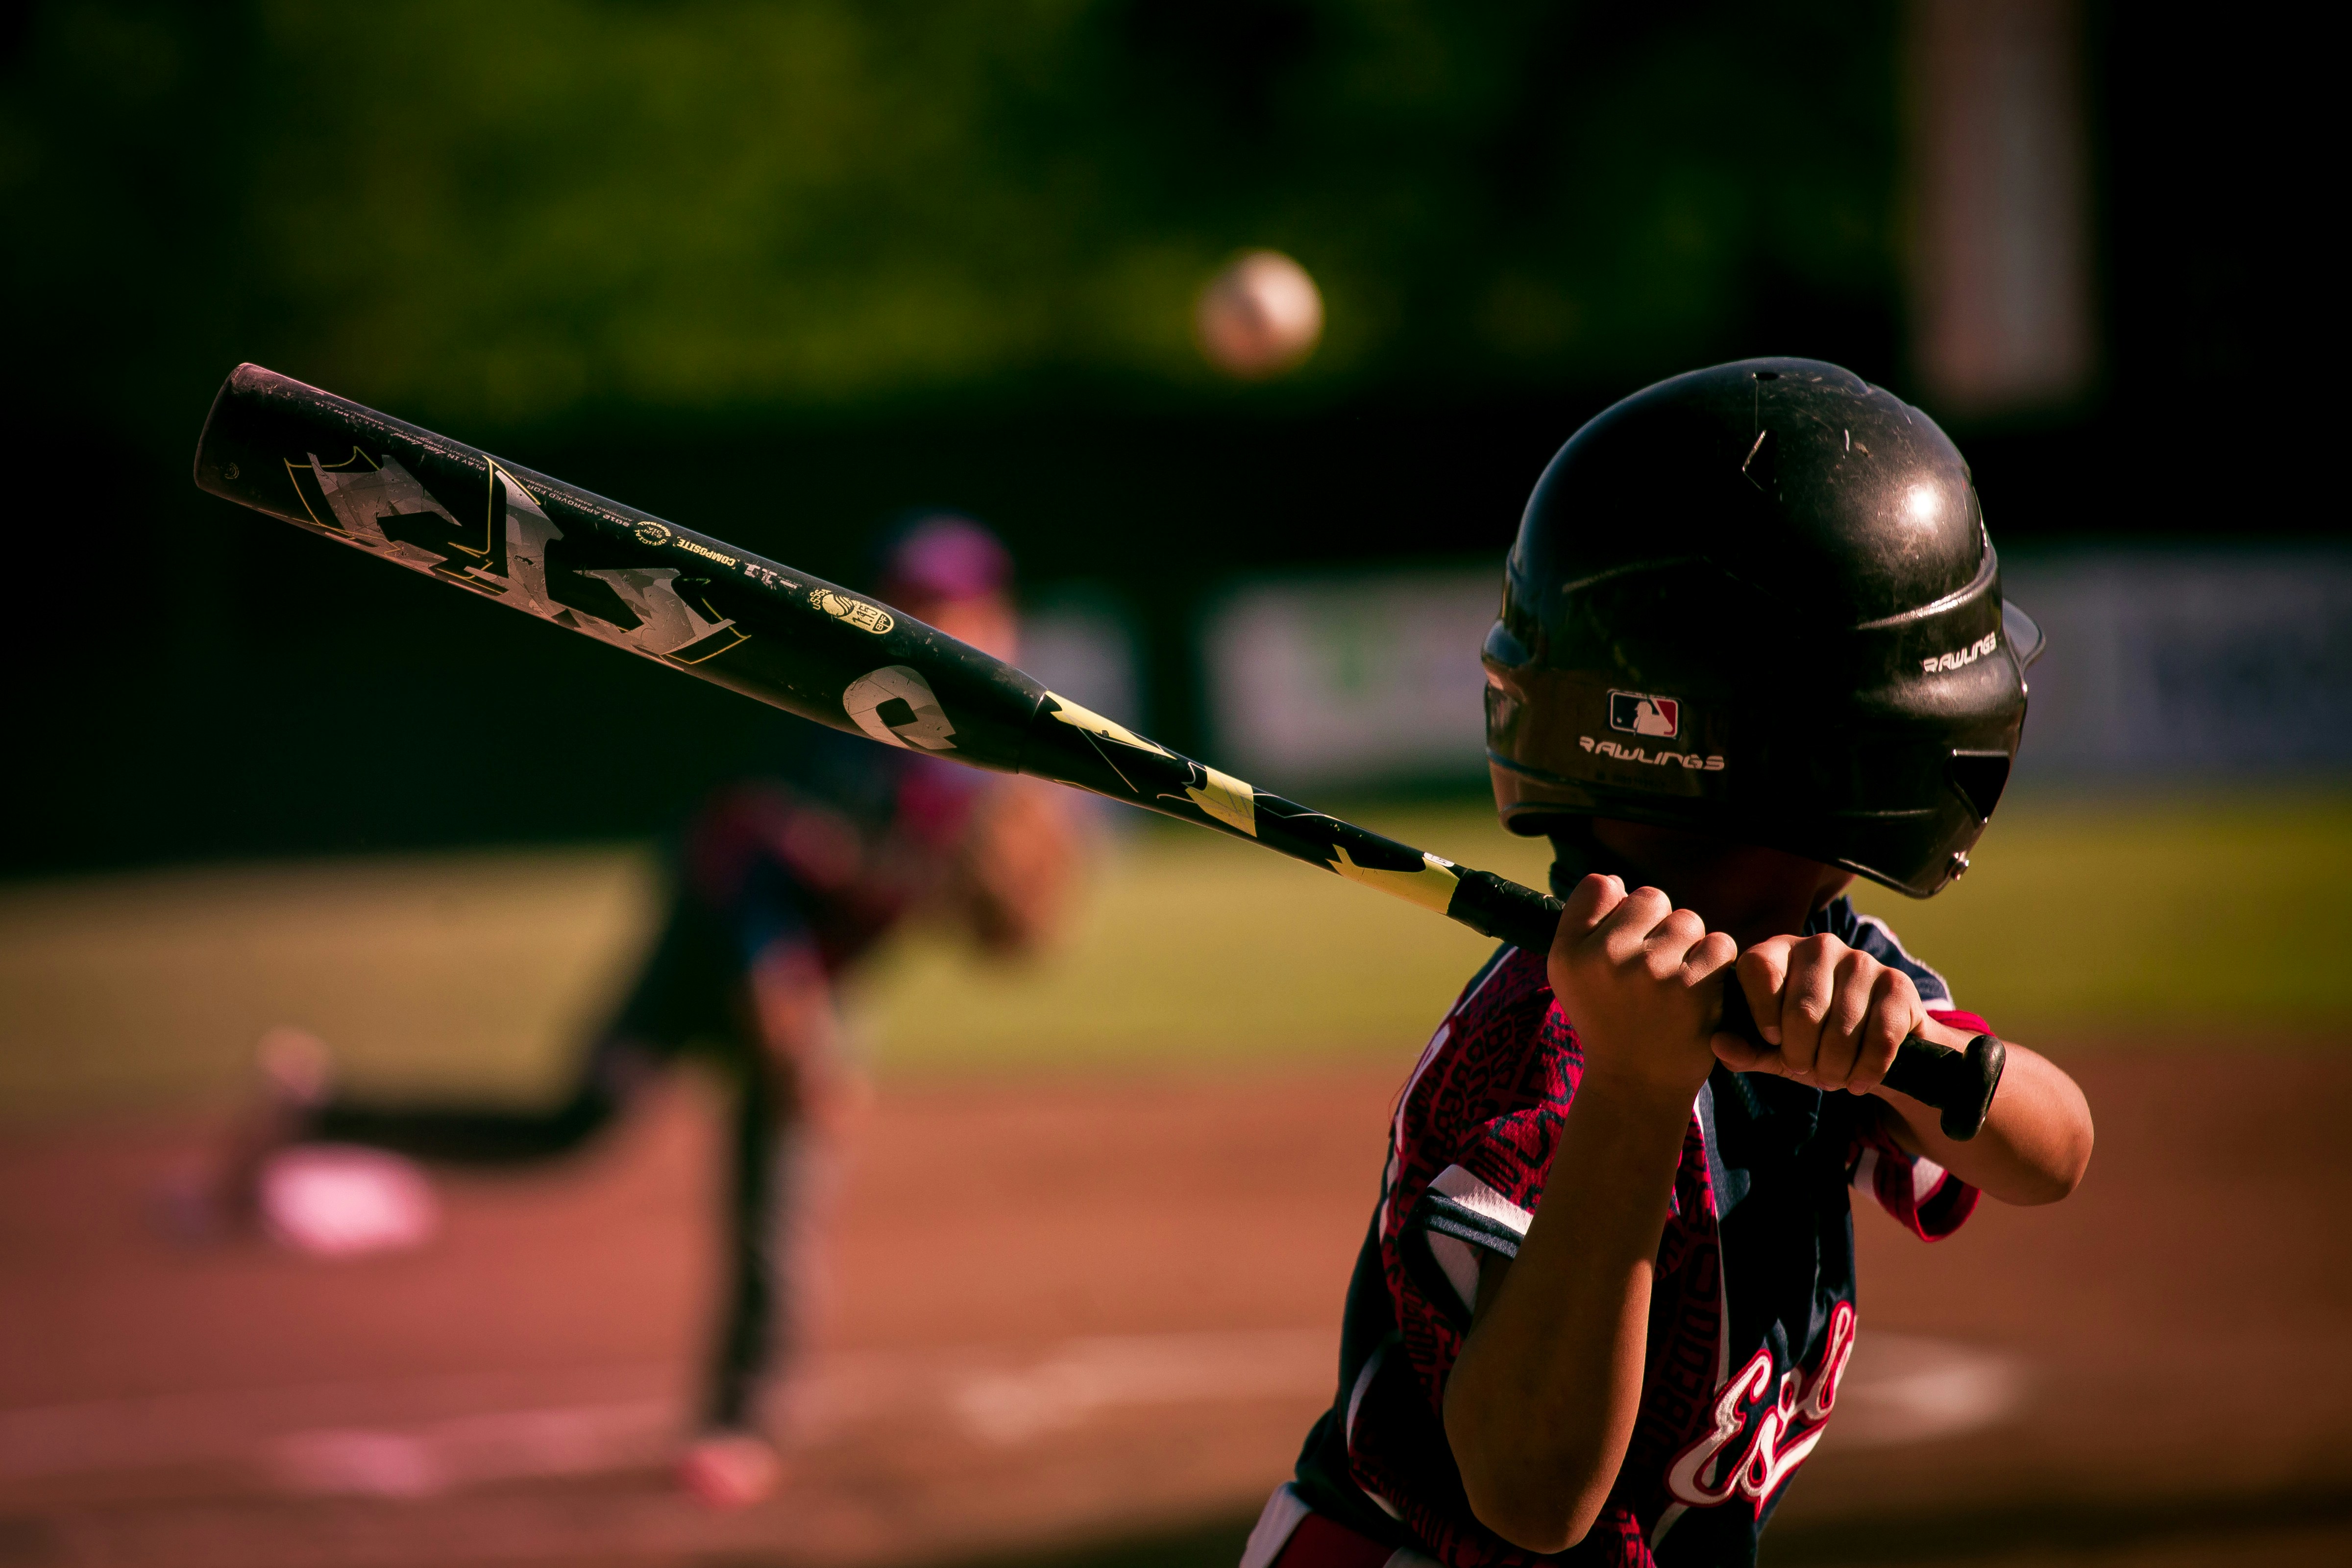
(1980, 777)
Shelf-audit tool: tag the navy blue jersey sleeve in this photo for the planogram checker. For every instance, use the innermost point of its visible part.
(1868, 933)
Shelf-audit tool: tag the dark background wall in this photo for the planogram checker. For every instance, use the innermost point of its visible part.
(777, 272)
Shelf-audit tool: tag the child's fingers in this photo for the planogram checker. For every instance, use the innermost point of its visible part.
(1894, 1014)
(1763, 969)
(1805, 999)
(1714, 952)
(1623, 933)
(1666, 949)
(1589, 903)
(1852, 975)
(1741, 1054)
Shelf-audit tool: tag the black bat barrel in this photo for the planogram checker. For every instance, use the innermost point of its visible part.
(607, 571)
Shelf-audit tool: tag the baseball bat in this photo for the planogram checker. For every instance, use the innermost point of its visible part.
(819, 650)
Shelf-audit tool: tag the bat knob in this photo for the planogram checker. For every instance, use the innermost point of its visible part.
(1980, 1067)
(1958, 1084)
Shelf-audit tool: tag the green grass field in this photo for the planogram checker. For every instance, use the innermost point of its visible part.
(2082, 926)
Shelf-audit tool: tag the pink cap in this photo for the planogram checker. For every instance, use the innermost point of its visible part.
(941, 556)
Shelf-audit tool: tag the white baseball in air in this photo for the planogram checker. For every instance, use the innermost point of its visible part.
(1260, 316)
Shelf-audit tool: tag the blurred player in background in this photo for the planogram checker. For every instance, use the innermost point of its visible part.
(779, 884)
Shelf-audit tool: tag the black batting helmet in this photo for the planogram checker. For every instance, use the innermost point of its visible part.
(1759, 601)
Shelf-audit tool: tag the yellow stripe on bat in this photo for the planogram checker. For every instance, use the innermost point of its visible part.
(1432, 886)
(1094, 723)
(1228, 800)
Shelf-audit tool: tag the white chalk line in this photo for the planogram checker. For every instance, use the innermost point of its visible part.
(1903, 1388)
(427, 1437)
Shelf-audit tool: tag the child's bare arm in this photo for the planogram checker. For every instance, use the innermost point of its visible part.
(2035, 1144)
(1836, 1015)
(1540, 1404)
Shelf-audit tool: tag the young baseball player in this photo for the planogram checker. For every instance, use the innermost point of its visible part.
(1752, 645)
(780, 883)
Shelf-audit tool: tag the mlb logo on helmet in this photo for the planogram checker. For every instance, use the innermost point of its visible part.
(1639, 713)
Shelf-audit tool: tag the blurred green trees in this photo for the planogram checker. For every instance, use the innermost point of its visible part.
(779, 270)
(510, 213)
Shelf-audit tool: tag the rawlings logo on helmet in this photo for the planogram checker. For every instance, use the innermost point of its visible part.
(1643, 755)
(1959, 658)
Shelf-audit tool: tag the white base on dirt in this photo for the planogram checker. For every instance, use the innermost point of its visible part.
(339, 1200)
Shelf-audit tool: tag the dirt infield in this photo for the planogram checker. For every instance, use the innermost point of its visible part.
(1089, 1322)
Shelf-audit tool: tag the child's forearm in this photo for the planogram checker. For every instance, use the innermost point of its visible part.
(2035, 1143)
(1541, 1401)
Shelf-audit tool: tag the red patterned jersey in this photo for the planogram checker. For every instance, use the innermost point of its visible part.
(1752, 1308)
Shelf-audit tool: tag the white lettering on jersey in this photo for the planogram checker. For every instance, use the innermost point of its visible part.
(1784, 1435)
